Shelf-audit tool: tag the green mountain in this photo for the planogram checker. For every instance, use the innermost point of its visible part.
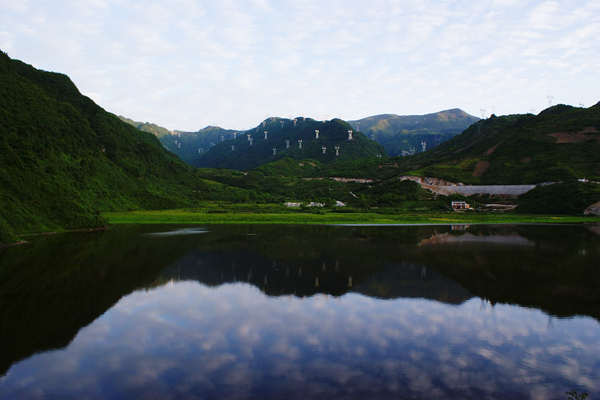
(398, 133)
(154, 129)
(561, 143)
(302, 138)
(63, 159)
(191, 146)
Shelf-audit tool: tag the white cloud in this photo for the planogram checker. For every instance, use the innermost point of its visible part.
(185, 64)
(190, 339)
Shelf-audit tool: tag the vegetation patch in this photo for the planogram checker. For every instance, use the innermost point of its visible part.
(562, 198)
(192, 216)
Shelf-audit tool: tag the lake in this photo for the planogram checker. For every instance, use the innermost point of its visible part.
(303, 312)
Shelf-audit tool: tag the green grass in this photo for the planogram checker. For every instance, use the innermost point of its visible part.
(195, 216)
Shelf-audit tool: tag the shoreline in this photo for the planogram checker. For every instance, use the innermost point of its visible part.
(49, 233)
(186, 216)
(191, 217)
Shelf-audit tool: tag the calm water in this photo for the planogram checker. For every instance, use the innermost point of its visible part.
(303, 312)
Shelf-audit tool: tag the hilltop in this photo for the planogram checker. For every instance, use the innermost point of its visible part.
(301, 138)
(154, 129)
(64, 160)
(398, 133)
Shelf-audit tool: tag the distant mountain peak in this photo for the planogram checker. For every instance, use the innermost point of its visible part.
(402, 133)
(298, 138)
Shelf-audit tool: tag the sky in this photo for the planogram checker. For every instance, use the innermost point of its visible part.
(187, 64)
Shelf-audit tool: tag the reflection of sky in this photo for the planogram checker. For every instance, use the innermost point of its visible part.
(191, 341)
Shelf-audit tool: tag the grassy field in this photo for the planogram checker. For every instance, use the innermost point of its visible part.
(192, 216)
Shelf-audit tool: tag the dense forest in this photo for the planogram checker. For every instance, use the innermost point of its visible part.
(64, 160)
(301, 138)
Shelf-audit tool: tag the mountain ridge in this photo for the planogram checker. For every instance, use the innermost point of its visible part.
(300, 138)
(401, 133)
(397, 133)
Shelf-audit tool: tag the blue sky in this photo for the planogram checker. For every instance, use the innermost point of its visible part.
(186, 64)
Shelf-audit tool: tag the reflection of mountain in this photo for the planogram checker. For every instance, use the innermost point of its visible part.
(55, 286)
(553, 268)
(310, 277)
(405, 280)
(595, 229)
(548, 267)
(511, 239)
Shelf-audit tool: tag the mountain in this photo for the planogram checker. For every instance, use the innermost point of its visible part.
(191, 146)
(561, 143)
(188, 146)
(301, 138)
(154, 129)
(64, 160)
(398, 133)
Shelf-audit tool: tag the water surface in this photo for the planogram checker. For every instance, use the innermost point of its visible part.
(419, 312)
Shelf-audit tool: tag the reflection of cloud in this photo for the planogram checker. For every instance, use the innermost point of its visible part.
(191, 339)
(177, 232)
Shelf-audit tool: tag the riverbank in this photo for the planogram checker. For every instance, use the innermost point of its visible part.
(26, 235)
(299, 217)
(190, 216)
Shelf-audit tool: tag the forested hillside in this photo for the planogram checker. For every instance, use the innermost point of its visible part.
(149, 127)
(560, 143)
(189, 146)
(63, 159)
(301, 138)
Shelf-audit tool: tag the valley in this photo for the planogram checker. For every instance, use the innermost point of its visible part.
(66, 164)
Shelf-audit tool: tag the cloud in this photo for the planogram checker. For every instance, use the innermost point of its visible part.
(185, 64)
(188, 339)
